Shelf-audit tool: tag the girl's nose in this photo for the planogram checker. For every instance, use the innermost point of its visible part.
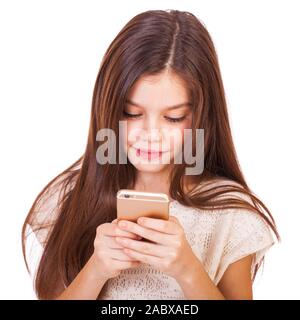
(152, 131)
(153, 134)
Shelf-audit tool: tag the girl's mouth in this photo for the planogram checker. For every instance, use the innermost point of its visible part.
(148, 154)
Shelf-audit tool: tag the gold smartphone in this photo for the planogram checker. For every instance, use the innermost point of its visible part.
(133, 204)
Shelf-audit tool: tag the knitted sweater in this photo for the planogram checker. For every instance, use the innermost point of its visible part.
(217, 237)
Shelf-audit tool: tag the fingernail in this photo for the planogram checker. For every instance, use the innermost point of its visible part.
(122, 224)
(141, 220)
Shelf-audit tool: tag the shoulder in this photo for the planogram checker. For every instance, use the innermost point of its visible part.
(225, 235)
(239, 224)
(242, 221)
(245, 233)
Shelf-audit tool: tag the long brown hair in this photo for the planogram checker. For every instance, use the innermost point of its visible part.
(149, 43)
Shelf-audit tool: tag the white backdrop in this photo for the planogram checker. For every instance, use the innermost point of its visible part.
(49, 58)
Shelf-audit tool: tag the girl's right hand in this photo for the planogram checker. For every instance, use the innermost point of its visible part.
(109, 257)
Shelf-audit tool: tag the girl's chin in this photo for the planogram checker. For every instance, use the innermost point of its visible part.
(150, 168)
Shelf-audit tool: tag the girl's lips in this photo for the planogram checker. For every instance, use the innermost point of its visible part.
(148, 154)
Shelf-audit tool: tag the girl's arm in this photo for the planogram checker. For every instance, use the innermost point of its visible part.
(235, 283)
(86, 285)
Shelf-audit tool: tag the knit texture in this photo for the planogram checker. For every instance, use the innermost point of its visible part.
(217, 237)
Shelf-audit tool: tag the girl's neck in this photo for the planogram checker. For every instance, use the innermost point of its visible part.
(152, 182)
(159, 182)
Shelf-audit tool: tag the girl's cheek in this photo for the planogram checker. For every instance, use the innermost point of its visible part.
(177, 137)
(134, 131)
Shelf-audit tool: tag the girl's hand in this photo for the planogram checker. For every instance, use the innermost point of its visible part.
(169, 250)
(108, 257)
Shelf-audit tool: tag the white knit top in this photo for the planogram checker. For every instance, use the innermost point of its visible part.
(218, 238)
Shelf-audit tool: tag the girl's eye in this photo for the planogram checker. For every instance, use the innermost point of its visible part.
(130, 115)
(175, 119)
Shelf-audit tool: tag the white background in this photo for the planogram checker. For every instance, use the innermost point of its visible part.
(49, 57)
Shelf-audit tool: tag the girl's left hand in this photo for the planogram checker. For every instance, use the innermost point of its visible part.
(169, 250)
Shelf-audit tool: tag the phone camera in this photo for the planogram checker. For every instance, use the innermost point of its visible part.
(126, 196)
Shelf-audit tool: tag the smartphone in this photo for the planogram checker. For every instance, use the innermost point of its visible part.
(133, 204)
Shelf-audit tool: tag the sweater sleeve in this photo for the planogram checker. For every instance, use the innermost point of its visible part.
(249, 234)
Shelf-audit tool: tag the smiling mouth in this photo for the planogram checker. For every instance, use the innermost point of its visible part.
(149, 154)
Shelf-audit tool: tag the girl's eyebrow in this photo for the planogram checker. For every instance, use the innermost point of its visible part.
(169, 108)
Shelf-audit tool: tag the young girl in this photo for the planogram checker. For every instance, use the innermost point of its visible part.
(160, 75)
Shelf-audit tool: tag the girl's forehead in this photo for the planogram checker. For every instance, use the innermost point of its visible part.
(159, 93)
(173, 107)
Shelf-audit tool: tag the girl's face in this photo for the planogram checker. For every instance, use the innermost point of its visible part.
(157, 111)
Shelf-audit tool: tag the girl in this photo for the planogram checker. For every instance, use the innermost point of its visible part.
(160, 75)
